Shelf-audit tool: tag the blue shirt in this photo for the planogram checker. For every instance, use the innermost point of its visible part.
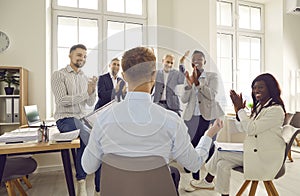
(137, 127)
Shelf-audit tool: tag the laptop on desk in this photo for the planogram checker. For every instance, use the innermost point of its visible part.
(33, 117)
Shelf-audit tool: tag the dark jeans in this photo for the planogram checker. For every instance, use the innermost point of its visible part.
(70, 124)
(196, 128)
(175, 176)
(164, 105)
(97, 179)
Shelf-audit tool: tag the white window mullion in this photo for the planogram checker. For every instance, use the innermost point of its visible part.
(251, 34)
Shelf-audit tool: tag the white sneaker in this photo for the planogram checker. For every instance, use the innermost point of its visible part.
(96, 193)
(189, 188)
(202, 184)
(81, 188)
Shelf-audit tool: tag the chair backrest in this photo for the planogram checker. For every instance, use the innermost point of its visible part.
(136, 176)
(295, 121)
(287, 118)
(289, 134)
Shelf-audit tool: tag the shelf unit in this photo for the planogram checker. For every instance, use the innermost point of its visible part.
(21, 97)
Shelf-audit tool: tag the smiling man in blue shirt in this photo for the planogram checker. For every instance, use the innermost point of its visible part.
(138, 127)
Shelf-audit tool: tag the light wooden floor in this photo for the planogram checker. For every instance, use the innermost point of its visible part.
(53, 183)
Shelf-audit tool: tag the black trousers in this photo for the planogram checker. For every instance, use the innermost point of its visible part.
(175, 176)
(196, 128)
(164, 105)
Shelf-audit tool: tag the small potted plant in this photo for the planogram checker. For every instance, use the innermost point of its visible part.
(10, 78)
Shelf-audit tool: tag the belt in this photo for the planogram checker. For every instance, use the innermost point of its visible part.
(163, 101)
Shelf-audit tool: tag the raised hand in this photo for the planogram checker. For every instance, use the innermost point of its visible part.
(118, 86)
(237, 100)
(215, 128)
(184, 56)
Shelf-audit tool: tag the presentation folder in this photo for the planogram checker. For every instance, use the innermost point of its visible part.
(8, 105)
(16, 115)
(90, 118)
(229, 147)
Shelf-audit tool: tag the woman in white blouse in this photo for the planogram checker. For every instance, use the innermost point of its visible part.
(264, 147)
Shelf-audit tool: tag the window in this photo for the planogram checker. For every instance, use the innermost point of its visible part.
(101, 26)
(125, 6)
(239, 44)
(88, 4)
(77, 30)
(122, 36)
(106, 27)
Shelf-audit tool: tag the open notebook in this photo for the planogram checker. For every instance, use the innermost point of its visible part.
(33, 117)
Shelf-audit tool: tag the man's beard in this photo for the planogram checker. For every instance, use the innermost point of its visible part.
(114, 73)
(79, 65)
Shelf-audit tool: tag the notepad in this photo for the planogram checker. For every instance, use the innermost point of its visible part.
(229, 147)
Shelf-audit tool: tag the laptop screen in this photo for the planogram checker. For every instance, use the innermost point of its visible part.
(32, 114)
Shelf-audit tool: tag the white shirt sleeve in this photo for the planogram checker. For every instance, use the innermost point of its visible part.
(92, 155)
(184, 152)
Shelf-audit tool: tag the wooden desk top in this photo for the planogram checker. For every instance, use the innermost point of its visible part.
(37, 147)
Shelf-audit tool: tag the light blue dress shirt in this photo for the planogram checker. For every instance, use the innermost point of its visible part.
(137, 127)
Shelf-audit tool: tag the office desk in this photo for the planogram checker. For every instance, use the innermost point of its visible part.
(32, 148)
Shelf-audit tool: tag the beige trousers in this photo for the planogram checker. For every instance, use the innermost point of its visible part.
(220, 165)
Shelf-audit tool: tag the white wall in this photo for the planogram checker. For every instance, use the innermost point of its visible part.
(291, 57)
(282, 48)
(24, 23)
(27, 25)
(191, 25)
(273, 39)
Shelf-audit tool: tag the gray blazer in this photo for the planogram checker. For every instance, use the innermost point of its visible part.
(207, 90)
(175, 78)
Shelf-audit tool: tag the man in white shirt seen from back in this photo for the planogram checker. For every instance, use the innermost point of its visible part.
(137, 127)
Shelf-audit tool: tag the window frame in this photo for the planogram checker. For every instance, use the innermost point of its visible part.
(102, 16)
(236, 32)
(120, 19)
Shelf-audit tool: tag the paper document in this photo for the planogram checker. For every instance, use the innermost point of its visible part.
(19, 135)
(230, 147)
(91, 118)
(68, 136)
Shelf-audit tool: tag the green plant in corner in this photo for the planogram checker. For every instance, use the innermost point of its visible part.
(9, 78)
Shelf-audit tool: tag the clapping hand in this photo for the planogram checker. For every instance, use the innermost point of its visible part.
(237, 100)
(92, 85)
(193, 79)
(118, 86)
(215, 128)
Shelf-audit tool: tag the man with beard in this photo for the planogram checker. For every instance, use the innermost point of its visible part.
(165, 83)
(110, 86)
(73, 91)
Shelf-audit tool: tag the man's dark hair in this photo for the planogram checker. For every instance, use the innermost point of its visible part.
(198, 52)
(115, 59)
(77, 46)
(139, 63)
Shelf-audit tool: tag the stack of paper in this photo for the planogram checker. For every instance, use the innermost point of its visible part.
(230, 147)
(63, 137)
(19, 135)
